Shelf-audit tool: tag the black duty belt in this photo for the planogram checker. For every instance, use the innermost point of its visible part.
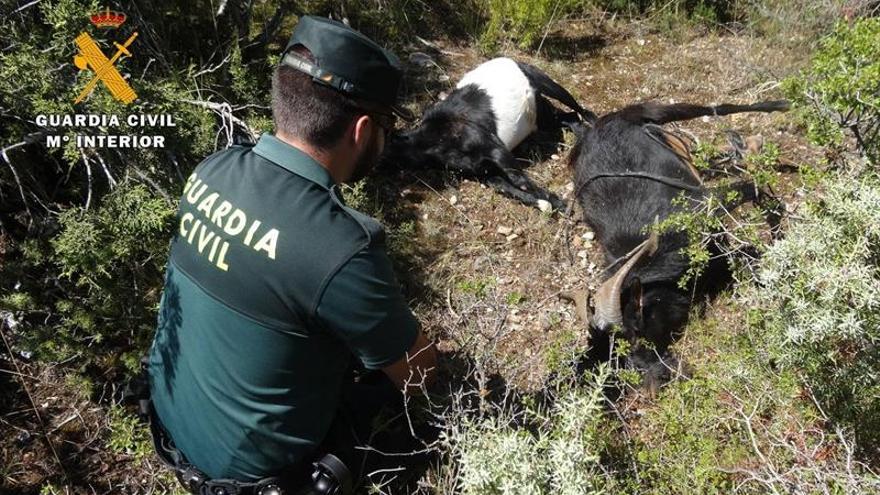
(292, 482)
(328, 476)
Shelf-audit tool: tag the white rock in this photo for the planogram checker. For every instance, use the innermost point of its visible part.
(503, 230)
(512, 237)
(453, 200)
(544, 206)
(589, 235)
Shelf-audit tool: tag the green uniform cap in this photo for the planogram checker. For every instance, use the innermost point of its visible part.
(347, 61)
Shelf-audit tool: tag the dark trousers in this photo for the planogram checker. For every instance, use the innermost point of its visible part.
(370, 406)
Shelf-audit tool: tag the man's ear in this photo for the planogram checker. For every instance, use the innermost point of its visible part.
(362, 131)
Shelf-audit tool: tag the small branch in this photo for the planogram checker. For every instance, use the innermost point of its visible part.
(30, 397)
(15, 173)
(88, 176)
(26, 6)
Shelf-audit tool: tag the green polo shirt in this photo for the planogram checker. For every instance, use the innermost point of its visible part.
(271, 286)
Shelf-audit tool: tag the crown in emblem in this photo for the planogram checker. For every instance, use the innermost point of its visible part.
(108, 19)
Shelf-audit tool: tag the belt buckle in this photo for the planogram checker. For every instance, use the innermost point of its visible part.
(191, 479)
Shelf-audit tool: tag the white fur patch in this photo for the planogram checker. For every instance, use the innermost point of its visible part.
(513, 98)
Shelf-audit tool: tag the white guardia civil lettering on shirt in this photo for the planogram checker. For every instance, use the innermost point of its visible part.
(512, 96)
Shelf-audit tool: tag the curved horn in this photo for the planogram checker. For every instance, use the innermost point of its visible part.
(608, 310)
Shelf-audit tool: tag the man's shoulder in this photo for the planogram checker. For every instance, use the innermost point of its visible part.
(371, 227)
(234, 152)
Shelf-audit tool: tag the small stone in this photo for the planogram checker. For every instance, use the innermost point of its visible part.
(453, 200)
(706, 119)
(554, 156)
(546, 322)
(545, 206)
(424, 216)
(512, 237)
(641, 42)
(503, 230)
(582, 254)
(23, 438)
(589, 235)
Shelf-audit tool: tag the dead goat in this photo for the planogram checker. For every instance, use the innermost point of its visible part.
(492, 110)
(628, 170)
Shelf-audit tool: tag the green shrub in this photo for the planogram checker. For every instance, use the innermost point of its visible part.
(110, 260)
(819, 290)
(840, 91)
(556, 454)
(128, 434)
(524, 21)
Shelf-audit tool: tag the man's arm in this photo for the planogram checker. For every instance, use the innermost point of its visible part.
(418, 368)
(364, 307)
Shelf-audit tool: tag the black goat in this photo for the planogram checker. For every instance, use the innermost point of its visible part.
(628, 170)
(492, 110)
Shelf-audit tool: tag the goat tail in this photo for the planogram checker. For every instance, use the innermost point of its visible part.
(763, 106)
(548, 87)
(663, 114)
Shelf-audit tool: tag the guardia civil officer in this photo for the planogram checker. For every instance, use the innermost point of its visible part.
(274, 287)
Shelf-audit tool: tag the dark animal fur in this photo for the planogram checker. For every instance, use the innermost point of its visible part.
(459, 135)
(620, 208)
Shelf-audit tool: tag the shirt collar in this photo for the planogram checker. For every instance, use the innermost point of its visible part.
(293, 159)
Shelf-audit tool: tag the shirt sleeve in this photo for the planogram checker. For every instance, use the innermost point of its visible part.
(363, 306)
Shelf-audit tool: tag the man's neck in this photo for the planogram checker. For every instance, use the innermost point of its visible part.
(326, 159)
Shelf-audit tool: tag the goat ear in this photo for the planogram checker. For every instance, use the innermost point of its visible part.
(637, 296)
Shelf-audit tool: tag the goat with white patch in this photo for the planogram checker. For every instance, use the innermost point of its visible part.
(473, 131)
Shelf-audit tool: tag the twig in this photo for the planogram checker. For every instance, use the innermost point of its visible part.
(547, 30)
(89, 177)
(15, 173)
(30, 397)
(26, 6)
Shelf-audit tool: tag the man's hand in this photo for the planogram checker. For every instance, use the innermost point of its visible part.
(417, 369)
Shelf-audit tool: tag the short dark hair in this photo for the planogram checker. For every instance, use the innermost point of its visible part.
(308, 110)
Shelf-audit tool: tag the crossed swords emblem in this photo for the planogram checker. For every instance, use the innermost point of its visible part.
(91, 57)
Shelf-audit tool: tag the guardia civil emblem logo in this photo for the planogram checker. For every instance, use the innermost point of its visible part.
(91, 58)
